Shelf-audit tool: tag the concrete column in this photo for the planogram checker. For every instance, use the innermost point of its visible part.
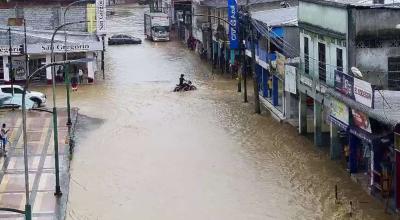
(264, 82)
(90, 69)
(335, 150)
(317, 124)
(287, 108)
(275, 92)
(48, 70)
(302, 113)
(6, 69)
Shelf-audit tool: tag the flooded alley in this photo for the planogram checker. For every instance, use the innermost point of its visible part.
(145, 152)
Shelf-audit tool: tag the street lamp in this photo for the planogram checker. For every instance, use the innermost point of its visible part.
(55, 130)
(28, 207)
(66, 70)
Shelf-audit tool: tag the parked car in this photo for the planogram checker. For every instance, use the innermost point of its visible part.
(8, 101)
(123, 39)
(37, 97)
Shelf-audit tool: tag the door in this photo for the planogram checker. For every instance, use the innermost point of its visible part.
(322, 62)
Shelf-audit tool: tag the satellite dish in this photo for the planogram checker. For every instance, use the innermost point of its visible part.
(356, 72)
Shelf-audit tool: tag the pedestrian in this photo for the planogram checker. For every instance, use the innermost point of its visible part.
(3, 134)
(80, 72)
(59, 74)
(74, 82)
(347, 155)
(270, 87)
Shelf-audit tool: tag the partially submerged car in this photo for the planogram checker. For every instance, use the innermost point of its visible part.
(123, 39)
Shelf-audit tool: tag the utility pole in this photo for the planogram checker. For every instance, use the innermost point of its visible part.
(102, 56)
(10, 69)
(257, 108)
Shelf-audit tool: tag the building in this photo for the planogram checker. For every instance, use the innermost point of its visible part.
(338, 38)
(41, 20)
(276, 47)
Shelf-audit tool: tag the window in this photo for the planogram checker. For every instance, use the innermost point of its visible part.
(321, 62)
(306, 56)
(6, 90)
(339, 59)
(18, 90)
(394, 73)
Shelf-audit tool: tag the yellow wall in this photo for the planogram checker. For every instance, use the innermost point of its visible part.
(91, 17)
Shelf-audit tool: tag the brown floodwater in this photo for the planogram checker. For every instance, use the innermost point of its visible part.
(147, 153)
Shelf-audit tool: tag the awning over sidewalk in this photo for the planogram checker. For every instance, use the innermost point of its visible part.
(373, 113)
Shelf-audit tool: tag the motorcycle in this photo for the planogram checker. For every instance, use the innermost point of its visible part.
(185, 87)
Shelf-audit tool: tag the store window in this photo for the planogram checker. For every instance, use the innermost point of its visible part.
(322, 61)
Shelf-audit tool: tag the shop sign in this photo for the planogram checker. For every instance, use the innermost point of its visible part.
(280, 64)
(290, 79)
(361, 134)
(91, 18)
(361, 120)
(101, 12)
(5, 50)
(340, 112)
(60, 47)
(344, 84)
(363, 92)
(233, 29)
(19, 67)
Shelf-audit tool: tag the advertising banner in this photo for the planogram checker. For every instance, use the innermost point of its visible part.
(5, 50)
(363, 92)
(280, 64)
(233, 28)
(101, 12)
(361, 120)
(290, 79)
(340, 112)
(19, 67)
(91, 18)
(344, 84)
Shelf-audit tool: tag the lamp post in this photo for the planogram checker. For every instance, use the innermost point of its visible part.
(55, 130)
(28, 207)
(66, 69)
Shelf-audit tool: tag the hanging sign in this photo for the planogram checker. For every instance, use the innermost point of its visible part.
(60, 47)
(344, 84)
(290, 79)
(19, 67)
(101, 12)
(5, 50)
(361, 120)
(363, 92)
(339, 113)
(233, 28)
(280, 64)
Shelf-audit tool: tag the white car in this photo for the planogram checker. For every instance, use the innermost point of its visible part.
(37, 97)
(8, 101)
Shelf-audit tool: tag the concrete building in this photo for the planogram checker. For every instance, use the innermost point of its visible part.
(335, 37)
(41, 20)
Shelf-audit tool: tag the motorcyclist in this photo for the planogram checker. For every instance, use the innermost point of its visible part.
(182, 80)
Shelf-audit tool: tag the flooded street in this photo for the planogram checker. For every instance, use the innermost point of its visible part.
(147, 153)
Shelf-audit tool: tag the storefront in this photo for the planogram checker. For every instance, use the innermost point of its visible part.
(39, 54)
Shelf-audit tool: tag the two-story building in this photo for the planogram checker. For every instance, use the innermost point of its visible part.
(349, 58)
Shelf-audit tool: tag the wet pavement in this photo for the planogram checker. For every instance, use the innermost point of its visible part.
(145, 152)
(41, 166)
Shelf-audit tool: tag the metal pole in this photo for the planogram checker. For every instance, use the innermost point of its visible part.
(10, 69)
(257, 108)
(66, 71)
(26, 52)
(244, 73)
(102, 57)
(28, 208)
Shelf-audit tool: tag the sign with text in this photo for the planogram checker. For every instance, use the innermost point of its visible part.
(5, 50)
(280, 64)
(363, 92)
(19, 67)
(340, 112)
(101, 16)
(344, 84)
(233, 28)
(361, 120)
(290, 79)
(60, 47)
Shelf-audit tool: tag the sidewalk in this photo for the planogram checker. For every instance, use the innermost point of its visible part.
(41, 165)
